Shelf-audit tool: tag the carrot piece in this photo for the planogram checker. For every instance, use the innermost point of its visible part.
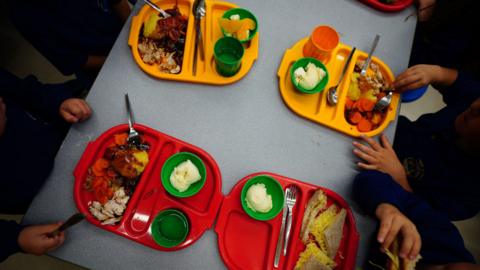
(364, 125)
(355, 117)
(368, 105)
(349, 104)
(109, 193)
(377, 118)
(120, 139)
(99, 167)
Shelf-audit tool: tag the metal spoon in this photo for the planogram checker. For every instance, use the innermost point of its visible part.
(157, 8)
(332, 96)
(369, 58)
(383, 102)
(198, 12)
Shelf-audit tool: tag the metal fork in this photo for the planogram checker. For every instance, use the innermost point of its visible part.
(281, 234)
(291, 197)
(157, 8)
(133, 136)
(383, 102)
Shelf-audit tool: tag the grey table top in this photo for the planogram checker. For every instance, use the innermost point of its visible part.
(245, 126)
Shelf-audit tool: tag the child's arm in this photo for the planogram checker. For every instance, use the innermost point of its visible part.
(421, 75)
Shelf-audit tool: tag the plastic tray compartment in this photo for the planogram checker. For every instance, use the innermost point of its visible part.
(211, 32)
(246, 243)
(149, 197)
(315, 106)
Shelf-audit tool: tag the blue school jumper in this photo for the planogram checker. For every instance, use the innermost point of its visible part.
(441, 241)
(66, 32)
(33, 134)
(437, 169)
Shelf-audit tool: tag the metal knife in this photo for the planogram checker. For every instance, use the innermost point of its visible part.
(74, 219)
(281, 235)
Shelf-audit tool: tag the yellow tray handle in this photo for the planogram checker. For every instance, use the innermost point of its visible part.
(132, 38)
(285, 64)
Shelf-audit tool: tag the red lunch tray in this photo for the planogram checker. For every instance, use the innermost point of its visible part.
(150, 197)
(396, 6)
(247, 243)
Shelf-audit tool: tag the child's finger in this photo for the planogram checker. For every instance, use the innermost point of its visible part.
(407, 245)
(366, 149)
(385, 225)
(367, 166)
(371, 142)
(385, 141)
(394, 229)
(70, 118)
(415, 249)
(364, 156)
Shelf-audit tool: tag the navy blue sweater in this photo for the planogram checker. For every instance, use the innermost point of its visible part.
(441, 241)
(437, 169)
(27, 146)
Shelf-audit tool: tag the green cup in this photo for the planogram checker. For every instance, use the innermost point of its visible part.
(228, 54)
(169, 228)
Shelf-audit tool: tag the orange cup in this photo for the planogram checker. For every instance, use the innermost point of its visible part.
(323, 40)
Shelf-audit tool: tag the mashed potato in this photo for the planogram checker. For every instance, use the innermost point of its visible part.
(184, 175)
(258, 199)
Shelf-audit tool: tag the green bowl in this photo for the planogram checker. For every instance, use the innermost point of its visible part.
(273, 188)
(173, 162)
(169, 228)
(303, 62)
(243, 13)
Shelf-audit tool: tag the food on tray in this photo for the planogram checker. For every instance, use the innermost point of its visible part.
(395, 262)
(184, 175)
(363, 94)
(258, 199)
(236, 27)
(322, 230)
(113, 177)
(309, 77)
(111, 212)
(312, 258)
(130, 163)
(162, 41)
(315, 204)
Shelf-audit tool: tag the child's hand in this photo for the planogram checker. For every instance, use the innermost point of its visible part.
(75, 110)
(417, 76)
(392, 222)
(34, 239)
(381, 158)
(425, 9)
(3, 116)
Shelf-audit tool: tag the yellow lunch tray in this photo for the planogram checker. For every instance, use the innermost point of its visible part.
(315, 106)
(211, 32)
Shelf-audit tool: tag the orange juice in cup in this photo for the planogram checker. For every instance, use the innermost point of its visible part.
(323, 40)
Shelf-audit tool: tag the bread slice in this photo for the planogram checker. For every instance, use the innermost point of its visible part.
(315, 204)
(333, 234)
(313, 258)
